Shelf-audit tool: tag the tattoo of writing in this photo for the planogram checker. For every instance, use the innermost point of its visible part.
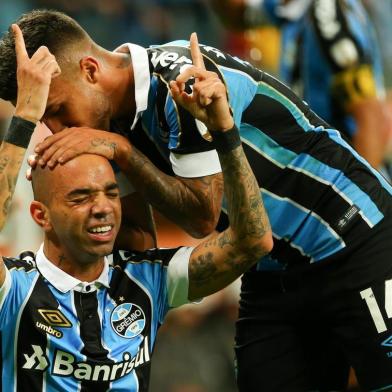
(104, 142)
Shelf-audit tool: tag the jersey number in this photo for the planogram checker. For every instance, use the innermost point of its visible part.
(374, 309)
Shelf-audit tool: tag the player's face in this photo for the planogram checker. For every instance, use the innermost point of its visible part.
(85, 210)
(76, 103)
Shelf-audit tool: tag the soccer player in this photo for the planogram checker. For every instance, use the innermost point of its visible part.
(73, 321)
(329, 52)
(329, 273)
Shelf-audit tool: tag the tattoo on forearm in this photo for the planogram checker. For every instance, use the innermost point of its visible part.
(248, 220)
(245, 207)
(182, 202)
(10, 162)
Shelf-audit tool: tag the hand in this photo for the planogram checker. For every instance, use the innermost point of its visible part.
(208, 101)
(34, 76)
(71, 142)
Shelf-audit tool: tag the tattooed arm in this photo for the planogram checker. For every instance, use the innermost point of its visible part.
(34, 76)
(221, 259)
(11, 158)
(192, 203)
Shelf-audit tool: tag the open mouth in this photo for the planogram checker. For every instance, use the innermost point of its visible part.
(101, 233)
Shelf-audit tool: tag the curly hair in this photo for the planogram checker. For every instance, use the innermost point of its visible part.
(49, 28)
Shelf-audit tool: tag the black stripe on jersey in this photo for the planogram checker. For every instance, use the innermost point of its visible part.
(33, 341)
(122, 286)
(139, 138)
(11, 263)
(86, 305)
(156, 255)
(167, 69)
(305, 191)
(287, 254)
(161, 97)
(275, 120)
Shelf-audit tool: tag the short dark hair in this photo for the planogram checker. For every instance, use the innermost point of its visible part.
(53, 29)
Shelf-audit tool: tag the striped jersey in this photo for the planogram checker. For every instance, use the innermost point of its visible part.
(61, 334)
(329, 41)
(320, 195)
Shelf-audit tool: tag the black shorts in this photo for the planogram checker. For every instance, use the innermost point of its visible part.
(301, 329)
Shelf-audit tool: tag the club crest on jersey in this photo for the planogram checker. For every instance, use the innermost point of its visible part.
(128, 320)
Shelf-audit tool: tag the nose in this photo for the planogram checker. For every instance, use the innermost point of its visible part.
(102, 206)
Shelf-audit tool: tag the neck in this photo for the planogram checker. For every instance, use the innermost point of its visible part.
(123, 92)
(86, 270)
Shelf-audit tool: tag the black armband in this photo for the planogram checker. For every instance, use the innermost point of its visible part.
(226, 141)
(19, 132)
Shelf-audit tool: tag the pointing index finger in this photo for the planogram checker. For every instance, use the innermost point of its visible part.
(20, 47)
(197, 57)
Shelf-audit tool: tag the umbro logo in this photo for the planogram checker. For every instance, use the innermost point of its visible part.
(54, 318)
(387, 342)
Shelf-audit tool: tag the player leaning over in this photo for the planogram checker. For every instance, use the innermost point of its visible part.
(73, 322)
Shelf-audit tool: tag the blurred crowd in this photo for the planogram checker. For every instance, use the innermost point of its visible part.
(194, 350)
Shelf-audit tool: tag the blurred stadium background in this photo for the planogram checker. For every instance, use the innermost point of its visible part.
(194, 350)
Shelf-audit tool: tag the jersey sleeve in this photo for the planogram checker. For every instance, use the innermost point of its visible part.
(164, 274)
(186, 140)
(178, 278)
(18, 281)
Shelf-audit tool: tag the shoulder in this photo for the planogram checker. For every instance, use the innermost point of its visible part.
(167, 61)
(25, 261)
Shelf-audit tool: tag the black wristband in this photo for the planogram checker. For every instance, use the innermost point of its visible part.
(226, 141)
(19, 132)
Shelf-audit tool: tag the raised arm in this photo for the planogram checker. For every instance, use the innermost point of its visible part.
(218, 261)
(34, 76)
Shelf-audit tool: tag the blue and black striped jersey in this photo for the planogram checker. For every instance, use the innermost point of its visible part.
(319, 193)
(330, 51)
(60, 335)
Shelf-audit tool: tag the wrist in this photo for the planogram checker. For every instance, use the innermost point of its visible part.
(19, 132)
(226, 141)
(227, 126)
(122, 152)
(26, 116)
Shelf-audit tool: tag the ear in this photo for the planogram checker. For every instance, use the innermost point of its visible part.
(40, 214)
(90, 68)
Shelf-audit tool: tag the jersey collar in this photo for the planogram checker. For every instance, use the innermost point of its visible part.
(64, 282)
(141, 74)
